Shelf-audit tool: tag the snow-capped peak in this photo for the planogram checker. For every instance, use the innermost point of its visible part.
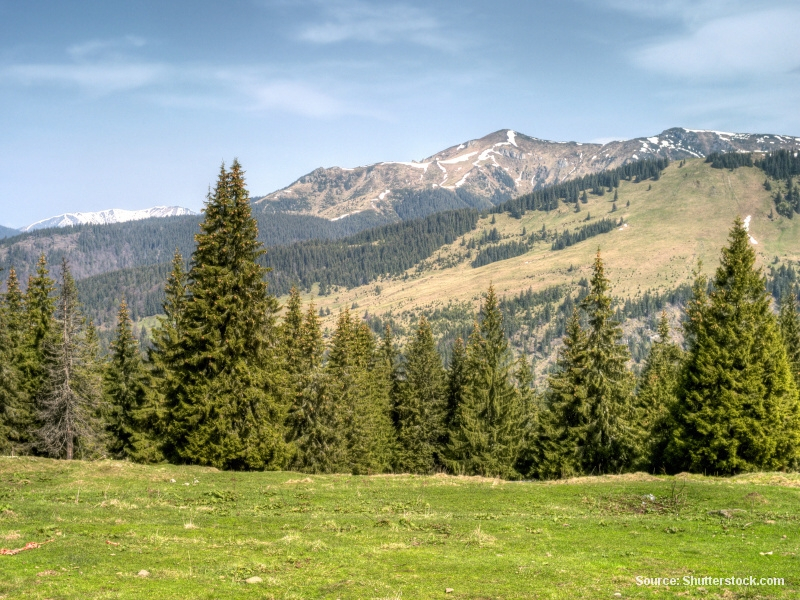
(105, 217)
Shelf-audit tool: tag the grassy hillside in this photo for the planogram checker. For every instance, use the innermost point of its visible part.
(200, 533)
(672, 223)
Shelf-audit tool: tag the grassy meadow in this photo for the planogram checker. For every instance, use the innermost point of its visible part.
(201, 533)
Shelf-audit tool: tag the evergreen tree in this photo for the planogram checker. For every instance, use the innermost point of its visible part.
(39, 308)
(359, 389)
(658, 389)
(164, 362)
(15, 407)
(530, 406)
(737, 408)
(125, 385)
(610, 438)
(789, 321)
(228, 409)
(563, 426)
(70, 398)
(488, 436)
(422, 404)
(311, 416)
(456, 381)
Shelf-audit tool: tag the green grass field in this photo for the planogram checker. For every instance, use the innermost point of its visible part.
(201, 533)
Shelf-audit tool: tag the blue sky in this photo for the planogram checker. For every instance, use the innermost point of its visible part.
(130, 105)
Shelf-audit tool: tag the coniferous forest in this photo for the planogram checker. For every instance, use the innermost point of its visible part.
(226, 383)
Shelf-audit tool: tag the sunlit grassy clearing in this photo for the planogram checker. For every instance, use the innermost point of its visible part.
(340, 536)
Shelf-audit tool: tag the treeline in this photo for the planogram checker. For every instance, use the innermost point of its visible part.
(361, 258)
(569, 238)
(547, 199)
(498, 252)
(730, 160)
(226, 385)
(97, 249)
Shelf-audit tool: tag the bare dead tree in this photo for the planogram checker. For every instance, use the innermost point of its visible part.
(71, 396)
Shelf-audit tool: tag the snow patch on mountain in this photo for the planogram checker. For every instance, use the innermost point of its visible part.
(106, 217)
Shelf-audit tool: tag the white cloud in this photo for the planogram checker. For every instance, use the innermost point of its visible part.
(93, 78)
(104, 47)
(353, 20)
(746, 45)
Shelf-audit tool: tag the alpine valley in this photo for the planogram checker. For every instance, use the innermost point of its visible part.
(395, 240)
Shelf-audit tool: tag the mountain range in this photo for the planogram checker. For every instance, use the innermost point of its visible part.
(106, 217)
(486, 171)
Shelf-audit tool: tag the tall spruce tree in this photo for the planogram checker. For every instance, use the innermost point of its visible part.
(39, 309)
(15, 407)
(556, 451)
(456, 381)
(737, 408)
(658, 391)
(311, 418)
(422, 404)
(611, 434)
(164, 365)
(359, 390)
(488, 435)
(125, 387)
(529, 400)
(789, 321)
(70, 397)
(229, 408)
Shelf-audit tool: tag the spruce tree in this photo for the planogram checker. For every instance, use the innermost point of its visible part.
(524, 378)
(125, 385)
(789, 321)
(657, 396)
(164, 365)
(359, 392)
(15, 407)
(422, 404)
(39, 308)
(229, 408)
(310, 420)
(487, 436)
(456, 381)
(70, 397)
(737, 408)
(563, 425)
(610, 441)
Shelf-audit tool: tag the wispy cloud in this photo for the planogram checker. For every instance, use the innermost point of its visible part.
(747, 45)
(93, 48)
(96, 68)
(385, 23)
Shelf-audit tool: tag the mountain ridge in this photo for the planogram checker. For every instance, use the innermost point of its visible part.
(106, 217)
(482, 172)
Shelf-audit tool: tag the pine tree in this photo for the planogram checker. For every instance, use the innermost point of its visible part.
(737, 408)
(422, 404)
(311, 417)
(562, 432)
(39, 308)
(164, 365)
(487, 437)
(658, 389)
(15, 407)
(359, 390)
(70, 397)
(789, 321)
(530, 406)
(611, 437)
(229, 408)
(456, 381)
(125, 387)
